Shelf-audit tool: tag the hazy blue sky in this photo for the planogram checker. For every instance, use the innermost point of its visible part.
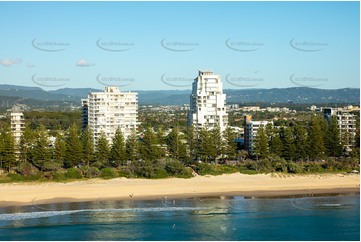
(162, 45)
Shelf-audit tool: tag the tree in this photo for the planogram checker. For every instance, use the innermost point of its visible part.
(333, 142)
(260, 146)
(176, 148)
(41, 153)
(150, 149)
(203, 145)
(7, 150)
(300, 137)
(132, 147)
(74, 148)
(102, 150)
(25, 144)
(87, 141)
(230, 146)
(191, 137)
(288, 143)
(59, 148)
(216, 143)
(117, 152)
(275, 145)
(315, 143)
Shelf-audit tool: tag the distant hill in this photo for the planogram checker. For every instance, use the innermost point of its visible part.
(75, 92)
(35, 96)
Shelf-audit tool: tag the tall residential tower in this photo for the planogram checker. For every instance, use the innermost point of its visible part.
(207, 102)
(111, 109)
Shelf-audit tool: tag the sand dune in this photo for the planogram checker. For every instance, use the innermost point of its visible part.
(231, 184)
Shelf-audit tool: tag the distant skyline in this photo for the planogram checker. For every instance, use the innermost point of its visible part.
(162, 45)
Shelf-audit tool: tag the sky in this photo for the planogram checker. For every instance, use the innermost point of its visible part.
(162, 45)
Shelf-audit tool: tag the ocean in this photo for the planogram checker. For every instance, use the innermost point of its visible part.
(331, 217)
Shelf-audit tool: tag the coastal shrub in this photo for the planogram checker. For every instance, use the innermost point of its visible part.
(203, 169)
(293, 167)
(73, 173)
(90, 171)
(187, 174)
(175, 168)
(108, 173)
(161, 173)
(51, 166)
(59, 176)
(244, 170)
(143, 169)
(27, 169)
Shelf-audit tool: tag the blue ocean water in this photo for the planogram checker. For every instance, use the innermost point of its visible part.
(216, 218)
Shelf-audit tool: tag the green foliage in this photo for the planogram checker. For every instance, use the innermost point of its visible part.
(230, 146)
(333, 142)
(102, 150)
(316, 146)
(175, 168)
(87, 141)
(108, 173)
(90, 172)
(175, 145)
(294, 167)
(27, 169)
(7, 150)
(74, 149)
(261, 148)
(41, 153)
(117, 152)
(59, 149)
(150, 148)
(73, 173)
(51, 166)
(132, 147)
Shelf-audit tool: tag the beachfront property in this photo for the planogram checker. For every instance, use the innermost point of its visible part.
(17, 122)
(110, 109)
(250, 131)
(84, 113)
(207, 102)
(346, 122)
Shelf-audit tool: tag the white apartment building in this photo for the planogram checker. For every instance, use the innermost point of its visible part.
(207, 102)
(17, 124)
(250, 131)
(111, 109)
(346, 123)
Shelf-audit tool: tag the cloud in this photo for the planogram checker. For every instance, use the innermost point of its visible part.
(83, 63)
(10, 62)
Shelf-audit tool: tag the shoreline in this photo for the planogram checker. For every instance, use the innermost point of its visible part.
(248, 186)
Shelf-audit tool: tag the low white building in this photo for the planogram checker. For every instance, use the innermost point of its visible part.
(250, 131)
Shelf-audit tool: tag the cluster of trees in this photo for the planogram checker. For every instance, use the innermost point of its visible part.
(76, 148)
(286, 148)
(310, 146)
(313, 140)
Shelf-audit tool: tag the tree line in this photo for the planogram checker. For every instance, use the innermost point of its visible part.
(274, 148)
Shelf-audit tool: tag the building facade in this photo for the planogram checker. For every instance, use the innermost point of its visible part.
(17, 124)
(250, 131)
(346, 122)
(207, 102)
(109, 110)
(84, 113)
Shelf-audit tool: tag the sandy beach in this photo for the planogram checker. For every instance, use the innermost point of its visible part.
(231, 184)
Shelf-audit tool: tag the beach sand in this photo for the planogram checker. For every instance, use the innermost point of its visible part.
(261, 185)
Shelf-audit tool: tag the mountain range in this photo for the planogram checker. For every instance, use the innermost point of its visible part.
(37, 97)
